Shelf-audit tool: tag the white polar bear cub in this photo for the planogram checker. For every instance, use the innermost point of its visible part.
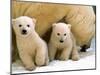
(32, 49)
(62, 44)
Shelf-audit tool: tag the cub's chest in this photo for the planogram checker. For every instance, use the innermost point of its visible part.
(26, 45)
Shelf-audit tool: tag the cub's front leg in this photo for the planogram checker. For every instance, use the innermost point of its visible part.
(41, 57)
(65, 54)
(27, 61)
(75, 54)
(52, 52)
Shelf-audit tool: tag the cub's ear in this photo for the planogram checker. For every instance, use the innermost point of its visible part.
(54, 24)
(34, 20)
(69, 26)
(13, 21)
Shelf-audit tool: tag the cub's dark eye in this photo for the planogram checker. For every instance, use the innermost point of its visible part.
(20, 25)
(28, 25)
(58, 34)
(65, 34)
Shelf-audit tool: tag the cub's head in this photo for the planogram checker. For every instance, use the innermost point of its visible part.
(23, 26)
(61, 31)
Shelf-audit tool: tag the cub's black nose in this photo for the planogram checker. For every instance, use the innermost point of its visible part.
(61, 41)
(24, 31)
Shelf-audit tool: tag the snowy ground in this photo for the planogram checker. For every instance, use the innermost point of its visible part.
(87, 61)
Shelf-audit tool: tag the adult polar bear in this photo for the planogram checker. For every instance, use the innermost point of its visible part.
(82, 18)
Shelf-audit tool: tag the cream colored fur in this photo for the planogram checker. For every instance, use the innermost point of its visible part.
(67, 47)
(81, 18)
(32, 49)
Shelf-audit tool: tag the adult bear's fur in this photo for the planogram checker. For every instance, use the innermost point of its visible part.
(82, 18)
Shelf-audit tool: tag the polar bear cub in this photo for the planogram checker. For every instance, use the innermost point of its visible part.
(32, 49)
(62, 44)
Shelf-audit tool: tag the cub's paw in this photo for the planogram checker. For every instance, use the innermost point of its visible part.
(30, 68)
(75, 57)
(63, 58)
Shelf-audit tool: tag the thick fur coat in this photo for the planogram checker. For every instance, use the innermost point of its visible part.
(62, 44)
(32, 49)
(82, 18)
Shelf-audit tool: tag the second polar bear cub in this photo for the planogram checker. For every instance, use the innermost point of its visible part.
(32, 49)
(62, 44)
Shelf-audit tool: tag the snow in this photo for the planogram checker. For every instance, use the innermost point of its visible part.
(87, 61)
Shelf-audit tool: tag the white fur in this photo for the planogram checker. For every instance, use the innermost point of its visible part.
(32, 49)
(66, 48)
